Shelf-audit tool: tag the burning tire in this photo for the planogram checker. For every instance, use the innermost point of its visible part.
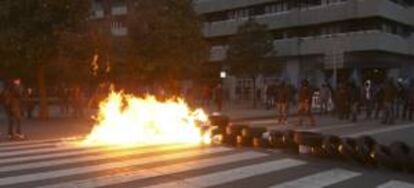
(401, 154)
(217, 131)
(383, 156)
(330, 145)
(219, 120)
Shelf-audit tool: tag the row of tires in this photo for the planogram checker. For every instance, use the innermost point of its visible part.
(363, 150)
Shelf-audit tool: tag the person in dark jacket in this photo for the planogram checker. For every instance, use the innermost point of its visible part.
(13, 104)
(305, 99)
(282, 102)
(410, 102)
(354, 94)
(367, 96)
(390, 94)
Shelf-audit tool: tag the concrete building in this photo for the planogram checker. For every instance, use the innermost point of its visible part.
(362, 39)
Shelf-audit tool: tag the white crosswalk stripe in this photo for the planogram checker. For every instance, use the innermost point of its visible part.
(319, 180)
(396, 183)
(102, 167)
(60, 163)
(141, 174)
(233, 174)
(110, 155)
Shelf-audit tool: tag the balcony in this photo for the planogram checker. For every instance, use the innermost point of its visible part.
(346, 42)
(317, 15)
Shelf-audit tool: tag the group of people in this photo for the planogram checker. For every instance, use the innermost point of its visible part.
(281, 96)
(388, 101)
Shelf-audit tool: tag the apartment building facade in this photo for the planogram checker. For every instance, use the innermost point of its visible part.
(317, 39)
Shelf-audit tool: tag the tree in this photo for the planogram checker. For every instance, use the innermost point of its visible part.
(249, 52)
(30, 35)
(166, 42)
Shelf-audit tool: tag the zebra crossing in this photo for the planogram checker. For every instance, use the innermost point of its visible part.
(64, 163)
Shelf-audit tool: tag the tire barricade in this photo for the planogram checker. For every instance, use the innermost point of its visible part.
(363, 150)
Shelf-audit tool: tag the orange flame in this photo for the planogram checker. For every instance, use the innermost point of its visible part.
(129, 120)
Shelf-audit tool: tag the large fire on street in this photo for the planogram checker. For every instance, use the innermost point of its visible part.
(127, 120)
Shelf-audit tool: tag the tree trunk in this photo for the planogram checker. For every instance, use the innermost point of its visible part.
(43, 107)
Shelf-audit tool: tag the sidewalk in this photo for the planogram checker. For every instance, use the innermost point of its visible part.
(244, 112)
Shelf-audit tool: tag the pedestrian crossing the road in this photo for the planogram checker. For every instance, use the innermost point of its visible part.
(62, 163)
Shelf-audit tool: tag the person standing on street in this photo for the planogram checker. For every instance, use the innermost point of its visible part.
(368, 98)
(282, 103)
(218, 97)
(305, 99)
(326, 96)
(390, 94)
(354, 93)
(13, 104)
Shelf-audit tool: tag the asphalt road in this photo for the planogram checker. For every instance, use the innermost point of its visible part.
(61, 163)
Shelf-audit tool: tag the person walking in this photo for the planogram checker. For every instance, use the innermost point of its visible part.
(354, 93)
(218, 97)
(378, 99)
(390, 94)
(368, 99)
(304, 108)
(410, 101)
(282, 103)
(78, 102)
(29, 102)
(13, 103)
(325, 96)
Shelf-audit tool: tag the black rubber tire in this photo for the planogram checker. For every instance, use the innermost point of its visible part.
(319, 152)
(288, 140)
(235, 129)
(347, 149)
(401, 153)
(259, 142)
(276, 139)
(217, 131)
(364, 147)
(253, 131)
(411, 164)
(384, 158)
(310, 139)
(219, 120)
(244, 141)
(229, 139)
(330, 146)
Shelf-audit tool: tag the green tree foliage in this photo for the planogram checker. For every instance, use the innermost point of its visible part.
(250, 51)
(31, 33)
(166, 41)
